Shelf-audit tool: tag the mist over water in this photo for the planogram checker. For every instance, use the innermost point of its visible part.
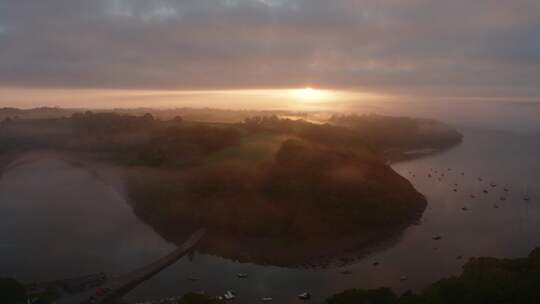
(520, 117)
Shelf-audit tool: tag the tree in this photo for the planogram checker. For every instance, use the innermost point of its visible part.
(11, 291)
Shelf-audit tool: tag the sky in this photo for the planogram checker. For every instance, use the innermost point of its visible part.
(102, 52)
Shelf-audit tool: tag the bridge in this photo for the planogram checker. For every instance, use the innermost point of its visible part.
(119, 286)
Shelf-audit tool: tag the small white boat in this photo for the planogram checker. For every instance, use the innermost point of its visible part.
(229, 295)
(242, 275)
(304, 296)
(267, 299)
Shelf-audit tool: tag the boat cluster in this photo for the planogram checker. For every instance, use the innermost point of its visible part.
(229, 296)
(439, 175)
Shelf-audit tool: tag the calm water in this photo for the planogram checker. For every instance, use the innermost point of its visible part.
(58, 221)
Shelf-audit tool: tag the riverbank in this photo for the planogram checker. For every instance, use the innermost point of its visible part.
(484, 280)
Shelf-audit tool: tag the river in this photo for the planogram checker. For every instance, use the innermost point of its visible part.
(58, 220)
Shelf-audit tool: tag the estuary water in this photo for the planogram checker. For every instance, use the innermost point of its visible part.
(58, 220)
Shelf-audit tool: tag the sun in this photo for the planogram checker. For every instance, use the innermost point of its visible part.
(309, 94)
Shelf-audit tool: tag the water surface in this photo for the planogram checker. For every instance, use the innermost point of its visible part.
(59, 221)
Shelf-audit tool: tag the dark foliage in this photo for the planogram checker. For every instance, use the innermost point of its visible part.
(399, 132)
(483, 281)
(196, 298)
(11, 291)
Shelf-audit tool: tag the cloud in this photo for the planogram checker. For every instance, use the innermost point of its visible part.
(407, 47)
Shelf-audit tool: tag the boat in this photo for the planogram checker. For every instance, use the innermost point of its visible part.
(242, 275)
(229, 295)
(485, 191)
(437, 237)
(526, 197)
(464, 208)
(403, 278)
(376, 263)
(503, 198)
(304, 296)
(493, 185)
(267, 299)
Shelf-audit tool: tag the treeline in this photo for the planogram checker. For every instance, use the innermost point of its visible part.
(388, 132)
(125, 139)
(483, 281)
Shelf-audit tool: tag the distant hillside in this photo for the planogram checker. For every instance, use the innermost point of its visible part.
(35, 113)
(399, 136)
